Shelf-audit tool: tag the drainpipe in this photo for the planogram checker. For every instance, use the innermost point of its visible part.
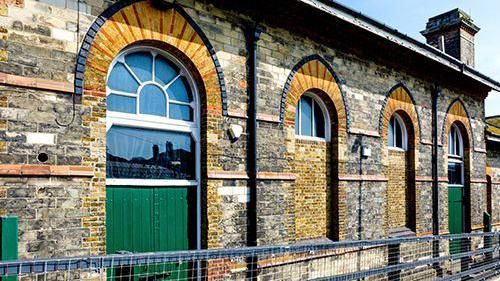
(253, 36)
(436, 93)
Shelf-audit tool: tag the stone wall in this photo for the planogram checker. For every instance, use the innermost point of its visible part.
(353, 86)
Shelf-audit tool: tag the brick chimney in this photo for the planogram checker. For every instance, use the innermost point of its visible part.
(453, 33)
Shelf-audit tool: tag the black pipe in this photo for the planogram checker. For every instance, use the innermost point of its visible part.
(436, 93)
(253, 36)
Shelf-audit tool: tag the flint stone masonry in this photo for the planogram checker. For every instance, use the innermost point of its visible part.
(39, 41)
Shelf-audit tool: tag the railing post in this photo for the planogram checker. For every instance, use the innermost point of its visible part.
(394, 259)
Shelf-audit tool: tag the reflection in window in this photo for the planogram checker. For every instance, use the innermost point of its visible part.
(397, 136)
(149, 82)
(309, 119)
(455, 157)
(149, 154)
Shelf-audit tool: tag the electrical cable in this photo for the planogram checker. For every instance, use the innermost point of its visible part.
(73, 115)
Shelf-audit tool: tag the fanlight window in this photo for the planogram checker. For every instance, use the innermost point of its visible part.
(397, 136)
(455, 157)
(146, 82)
(152, 131)
(455, 142)
(309, 118)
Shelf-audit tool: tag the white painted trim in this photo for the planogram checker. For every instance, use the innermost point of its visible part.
(393, 148)
(309, 138)
(151, 182)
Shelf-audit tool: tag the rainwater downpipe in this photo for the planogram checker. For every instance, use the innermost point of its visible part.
(253, 36)
(436, 93)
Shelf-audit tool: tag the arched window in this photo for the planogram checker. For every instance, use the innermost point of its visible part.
(152, 151)
(455, 157)
(311, 120)
(397, 135)
(152, 131)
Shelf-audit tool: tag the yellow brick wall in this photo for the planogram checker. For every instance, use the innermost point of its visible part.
(397, 189)
(312, 170)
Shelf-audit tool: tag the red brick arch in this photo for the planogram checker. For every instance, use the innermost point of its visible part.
(399, 99)
(141, 22)
(456, 113)
(315, 76)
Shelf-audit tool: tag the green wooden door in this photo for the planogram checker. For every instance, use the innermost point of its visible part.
(150, 219)
(455, 215)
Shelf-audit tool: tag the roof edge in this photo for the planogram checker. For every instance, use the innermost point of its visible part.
(360, 20)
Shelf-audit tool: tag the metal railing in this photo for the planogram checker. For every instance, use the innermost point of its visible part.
(474, 256)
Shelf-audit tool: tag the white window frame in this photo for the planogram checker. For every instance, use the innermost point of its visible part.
(454, 158)
(154, 122)
(326, 118)
(404, 134)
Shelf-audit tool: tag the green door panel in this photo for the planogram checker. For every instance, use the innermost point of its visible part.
(455, 215)
(150, 219)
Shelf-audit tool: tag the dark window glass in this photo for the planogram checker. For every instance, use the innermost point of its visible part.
(319, 121)
(152, 101)
(120, 103)
(399, 135)
(457, 144)
(149, 154)
(455, 173)
(391, 132)
(306, 116)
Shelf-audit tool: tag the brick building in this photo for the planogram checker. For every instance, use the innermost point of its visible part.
(231, 123)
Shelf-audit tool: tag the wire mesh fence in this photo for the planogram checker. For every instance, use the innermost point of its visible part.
(472, 256)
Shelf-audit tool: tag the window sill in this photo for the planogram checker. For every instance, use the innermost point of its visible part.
(393, 148)
(307, 138)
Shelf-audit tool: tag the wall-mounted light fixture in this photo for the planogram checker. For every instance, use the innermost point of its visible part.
(235, 131)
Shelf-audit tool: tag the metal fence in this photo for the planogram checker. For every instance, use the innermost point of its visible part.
(472, 256)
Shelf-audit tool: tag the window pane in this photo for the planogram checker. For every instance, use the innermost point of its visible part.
(391, 133)
(149, 154)
(399, 134)
(451, 141)
(181, 112)
(141, 64)
(164, 70)
(152, 101)
(121, 80)
(457, 143)
(306, 116)
(455, 173)
(121, 103)
(319, 121)
(179, 90)
(297, 121)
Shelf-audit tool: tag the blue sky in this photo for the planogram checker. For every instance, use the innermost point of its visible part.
(410, 17)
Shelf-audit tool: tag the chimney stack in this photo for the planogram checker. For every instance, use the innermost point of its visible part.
(453, 33)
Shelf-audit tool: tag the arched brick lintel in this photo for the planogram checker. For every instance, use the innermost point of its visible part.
(399, 98)
(456, 112)
(129, 21)
(313, 73)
